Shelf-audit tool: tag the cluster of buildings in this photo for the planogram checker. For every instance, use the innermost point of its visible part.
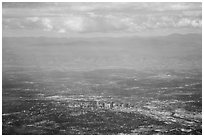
(100, 105)
(113, 105)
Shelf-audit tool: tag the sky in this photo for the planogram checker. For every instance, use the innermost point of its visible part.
(100, 19)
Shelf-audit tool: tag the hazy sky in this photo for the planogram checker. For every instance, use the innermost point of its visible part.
(100, 19)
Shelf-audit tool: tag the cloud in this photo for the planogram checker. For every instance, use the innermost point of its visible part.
(101, 17)
(184, 22)
(74, 23)
(47, 23)
(61, 30)
(196, 23)
(83, 8)
(194, 13)
(33, 19)
(180, 6)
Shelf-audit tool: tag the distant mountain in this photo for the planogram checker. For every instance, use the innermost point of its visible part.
(175, 51)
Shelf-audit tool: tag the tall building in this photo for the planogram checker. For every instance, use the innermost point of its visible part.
(111, 105)
(107, 105)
